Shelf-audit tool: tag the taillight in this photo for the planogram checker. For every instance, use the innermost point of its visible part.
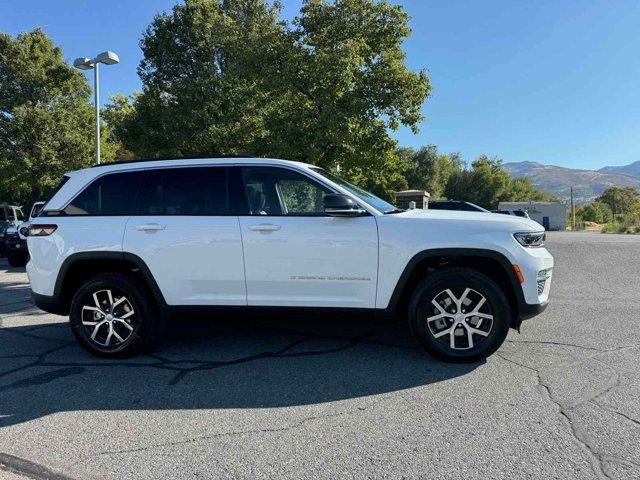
(41, 230)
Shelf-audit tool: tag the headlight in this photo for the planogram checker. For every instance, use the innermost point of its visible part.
(530, 239)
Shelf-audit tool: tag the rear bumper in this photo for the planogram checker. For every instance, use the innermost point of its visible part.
(50, 304)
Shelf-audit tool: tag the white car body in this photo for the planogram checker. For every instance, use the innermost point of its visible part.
(277, 261)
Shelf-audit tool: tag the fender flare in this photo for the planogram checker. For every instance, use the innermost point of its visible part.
(106, 255)
(458, 252)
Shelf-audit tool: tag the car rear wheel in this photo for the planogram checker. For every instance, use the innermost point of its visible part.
(459, 314)
(112, 315)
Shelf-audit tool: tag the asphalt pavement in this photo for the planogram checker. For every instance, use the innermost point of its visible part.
(337, 397)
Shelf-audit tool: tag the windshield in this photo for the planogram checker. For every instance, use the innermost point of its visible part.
(15, 214)
(370, 198)
(480, 209)
(36, 209)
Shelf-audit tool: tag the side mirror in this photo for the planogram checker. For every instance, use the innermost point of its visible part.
(338, 205)
(24, 231)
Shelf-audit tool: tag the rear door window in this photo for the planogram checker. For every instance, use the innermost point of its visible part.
(195, 191)
(151, 198)
(184, 191)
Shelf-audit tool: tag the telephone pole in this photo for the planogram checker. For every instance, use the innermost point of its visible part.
(613, 210)
(573, 213)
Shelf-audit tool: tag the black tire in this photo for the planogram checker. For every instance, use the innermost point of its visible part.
(17, 259)
(473, 337)
(144, 323)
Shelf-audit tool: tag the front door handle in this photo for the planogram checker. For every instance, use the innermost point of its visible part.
(150, 227)
(265, 227)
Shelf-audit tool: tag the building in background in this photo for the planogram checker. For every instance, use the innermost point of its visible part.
(551, 215)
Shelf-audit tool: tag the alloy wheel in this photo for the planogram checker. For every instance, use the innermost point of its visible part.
(109, 318)
(461, 318)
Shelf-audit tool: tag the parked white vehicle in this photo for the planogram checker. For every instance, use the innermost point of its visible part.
(10, 214)
(119, 246)
(35, 211)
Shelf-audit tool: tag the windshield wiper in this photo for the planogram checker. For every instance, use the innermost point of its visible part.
(395, 210)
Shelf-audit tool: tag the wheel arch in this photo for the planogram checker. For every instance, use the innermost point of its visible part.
(489, 262)
(81, 266)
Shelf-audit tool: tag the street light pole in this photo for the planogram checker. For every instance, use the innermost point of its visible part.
(96, 89)
(84, 63)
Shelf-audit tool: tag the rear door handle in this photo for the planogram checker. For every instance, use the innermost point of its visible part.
(265, 227)
(150, 227)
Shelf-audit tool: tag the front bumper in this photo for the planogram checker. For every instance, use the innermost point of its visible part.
(537, 266)
(527, 310)
(15, 244)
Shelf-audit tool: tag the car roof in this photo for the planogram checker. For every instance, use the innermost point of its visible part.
(96, 170)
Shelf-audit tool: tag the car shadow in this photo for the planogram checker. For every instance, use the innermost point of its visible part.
(214, 364)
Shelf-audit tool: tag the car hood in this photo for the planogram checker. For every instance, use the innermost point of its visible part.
(497, 220)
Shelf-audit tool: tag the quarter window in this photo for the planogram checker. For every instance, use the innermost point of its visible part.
(112, 194)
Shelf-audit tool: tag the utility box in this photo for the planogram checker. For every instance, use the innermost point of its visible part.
(406, 196)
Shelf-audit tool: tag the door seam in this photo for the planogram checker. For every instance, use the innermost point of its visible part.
(244, 266)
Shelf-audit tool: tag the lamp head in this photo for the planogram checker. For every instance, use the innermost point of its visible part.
(108, 58)
(83, 63)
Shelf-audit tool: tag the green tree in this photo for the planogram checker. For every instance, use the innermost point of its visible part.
(46, 120)
(426, 169)
(597, 212)
(621, 200)
(487, 184)
(523, 190)
(224, 77)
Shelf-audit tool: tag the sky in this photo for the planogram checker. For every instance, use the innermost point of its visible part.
(556, 82)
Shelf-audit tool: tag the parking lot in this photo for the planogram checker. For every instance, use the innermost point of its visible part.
(336, 398)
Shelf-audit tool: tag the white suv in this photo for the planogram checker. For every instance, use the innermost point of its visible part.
(120, 246)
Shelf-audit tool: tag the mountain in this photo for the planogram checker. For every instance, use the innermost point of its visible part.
(633, 169)
(587, 184)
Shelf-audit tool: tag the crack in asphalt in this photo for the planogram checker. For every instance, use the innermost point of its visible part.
(284, 428)
(616, 412)
(597, 459)
(163, 363)
(576, 432)
(281, 353)
(561, 344)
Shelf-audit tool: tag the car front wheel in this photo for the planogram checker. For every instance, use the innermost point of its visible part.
(112, 315)
(459, 314)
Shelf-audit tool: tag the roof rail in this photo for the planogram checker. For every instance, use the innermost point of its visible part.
(194, 157)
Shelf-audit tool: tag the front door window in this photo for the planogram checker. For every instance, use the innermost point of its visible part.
(280, 191)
